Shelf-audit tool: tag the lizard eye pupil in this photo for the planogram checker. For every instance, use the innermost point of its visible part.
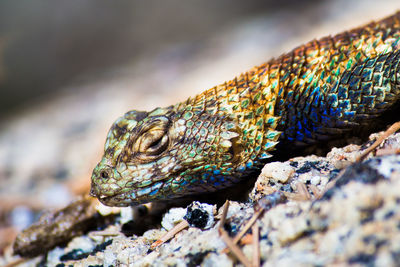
(155, 143)
(158, 145)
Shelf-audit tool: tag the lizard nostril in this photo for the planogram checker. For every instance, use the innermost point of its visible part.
(104, 174)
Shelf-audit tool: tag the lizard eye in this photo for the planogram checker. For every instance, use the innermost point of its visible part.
(153, 140)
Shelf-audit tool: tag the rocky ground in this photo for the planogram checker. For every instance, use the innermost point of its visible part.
(324, 217)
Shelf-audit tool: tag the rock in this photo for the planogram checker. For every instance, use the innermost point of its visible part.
(277, 171)
(200, 215)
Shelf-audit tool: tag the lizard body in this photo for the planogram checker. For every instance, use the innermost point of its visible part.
(211, 141)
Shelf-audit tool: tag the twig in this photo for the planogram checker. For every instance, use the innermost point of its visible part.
(316, 191)
(224, 213)
(170, 234)
(228, 241)
(248, 225)
(256, 245)
(392, 129)
(302, 191)
(234, 248)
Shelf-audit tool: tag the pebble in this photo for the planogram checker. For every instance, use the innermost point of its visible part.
(200, 215)
(172, 218)
(278, 171)
(110, 258)
(220, 260)
(126, 214)
(315, 180)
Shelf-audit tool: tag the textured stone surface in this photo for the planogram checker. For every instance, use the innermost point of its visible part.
(354, 219)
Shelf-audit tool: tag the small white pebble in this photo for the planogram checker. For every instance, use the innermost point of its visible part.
(53, 257)
(315, 180)
(126, 214)
(278, 171)
(106, 210)
(83, 242)
(220, 260)
(172, 218)
(110, 259)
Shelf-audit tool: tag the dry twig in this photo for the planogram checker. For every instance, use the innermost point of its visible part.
(248, 225)
(224, 213)
(234, 248)
(391, 130)
(256, 245)
(170, 234)
(228, 241)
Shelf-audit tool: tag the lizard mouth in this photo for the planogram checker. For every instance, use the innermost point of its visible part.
(135, 196)
(117, 200)
(108, 200)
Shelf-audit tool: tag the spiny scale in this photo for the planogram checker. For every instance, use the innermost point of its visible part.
(211, 141)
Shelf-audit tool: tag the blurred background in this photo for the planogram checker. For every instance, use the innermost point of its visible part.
(68, 69)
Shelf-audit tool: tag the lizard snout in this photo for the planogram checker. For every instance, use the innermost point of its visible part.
(103, 181)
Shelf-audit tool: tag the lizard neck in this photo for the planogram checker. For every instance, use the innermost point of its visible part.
(242, 109)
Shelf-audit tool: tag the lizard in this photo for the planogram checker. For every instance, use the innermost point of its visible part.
(314, 93)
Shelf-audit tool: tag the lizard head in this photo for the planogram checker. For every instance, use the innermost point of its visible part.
(165, 154)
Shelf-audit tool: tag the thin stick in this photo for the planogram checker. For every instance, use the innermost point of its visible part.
(316, 191)
(302, 191)
(224, 213)
(170, 234)
(234, 248)
(392, 129)
(247, 226)
(256, 245)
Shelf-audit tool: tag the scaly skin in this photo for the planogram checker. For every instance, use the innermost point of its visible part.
(209, 142)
